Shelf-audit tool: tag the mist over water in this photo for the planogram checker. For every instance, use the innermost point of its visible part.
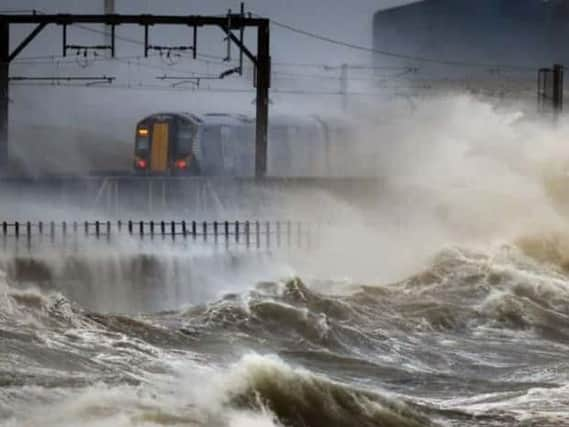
(439, 298)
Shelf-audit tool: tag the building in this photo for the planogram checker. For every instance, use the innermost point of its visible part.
(525, 34)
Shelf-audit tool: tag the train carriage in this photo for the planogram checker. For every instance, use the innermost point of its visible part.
(218, 144)
(227, 145)
(297, 147)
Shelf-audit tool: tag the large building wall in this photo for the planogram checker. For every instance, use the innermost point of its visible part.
(528, 33)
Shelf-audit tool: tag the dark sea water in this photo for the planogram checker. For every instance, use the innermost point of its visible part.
(478, 338)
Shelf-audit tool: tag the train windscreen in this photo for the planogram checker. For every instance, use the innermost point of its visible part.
(185, 139)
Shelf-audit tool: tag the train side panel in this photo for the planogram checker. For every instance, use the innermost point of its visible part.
(224, 145)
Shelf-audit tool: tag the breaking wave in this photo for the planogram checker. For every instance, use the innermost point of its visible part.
(463, 290)
(475, 323)
(299, 398)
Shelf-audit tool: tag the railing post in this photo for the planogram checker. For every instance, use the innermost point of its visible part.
(40, 228)
(162, 228)
(173, 229)
(215, 232)
(29, 235)
(17, 229)
(86, 227)
(151, 229)
(247, 235)
(194, 230)
(52, 231)
(258, 234)
(64, 229)
(268, 234)
(226, 232)
(236, 231)
(184, 229)
(108, 230)
(130, 227)
(278, 234)
(204, 231)
(141, 228)
(75, 228)
(97, 229)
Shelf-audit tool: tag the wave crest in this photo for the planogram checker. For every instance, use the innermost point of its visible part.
(299, 398)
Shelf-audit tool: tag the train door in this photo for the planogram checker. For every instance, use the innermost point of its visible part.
(159, 151)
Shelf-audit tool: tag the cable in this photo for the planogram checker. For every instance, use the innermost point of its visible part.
(218, 61)
(338, 78)
(328, 40)
(70, 59)
(19, 12)
(148, 87)
(395, 54)
(121, 38)
(338, 67)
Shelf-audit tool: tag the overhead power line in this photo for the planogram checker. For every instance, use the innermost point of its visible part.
(396, 54)
(399, 90)
(18, 11)
(151, 87)
(331, 40)
(59, 78)
(102, 32)
(215, 59)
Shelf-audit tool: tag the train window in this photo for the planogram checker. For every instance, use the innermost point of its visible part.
(228, 149)
(142, 143)
(246, 151)
(185, 139)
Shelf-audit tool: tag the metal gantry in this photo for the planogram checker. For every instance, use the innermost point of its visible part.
(228, 23)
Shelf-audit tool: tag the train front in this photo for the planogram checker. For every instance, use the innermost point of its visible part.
(164, 145)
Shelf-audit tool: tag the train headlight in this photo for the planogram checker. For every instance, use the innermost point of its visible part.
(142, 132)
(141, 163)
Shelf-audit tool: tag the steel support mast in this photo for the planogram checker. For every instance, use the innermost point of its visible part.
(4, 93)
(228, 23)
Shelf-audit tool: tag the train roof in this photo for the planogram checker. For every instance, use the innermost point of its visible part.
(208, 119)
(162, 114)
(221, 119)
(227, 119)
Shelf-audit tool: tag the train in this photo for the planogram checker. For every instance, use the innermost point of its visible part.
(220, 144)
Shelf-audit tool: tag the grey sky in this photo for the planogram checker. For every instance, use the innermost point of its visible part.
(115, 110)
(345, 20)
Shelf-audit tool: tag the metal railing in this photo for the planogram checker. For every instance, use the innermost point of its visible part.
(247, 234)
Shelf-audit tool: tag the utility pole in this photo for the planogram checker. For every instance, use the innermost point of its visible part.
(557, 88)
(4, 95)
(108, 9)
(263, 85)
(344, 86)
(550, 90)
